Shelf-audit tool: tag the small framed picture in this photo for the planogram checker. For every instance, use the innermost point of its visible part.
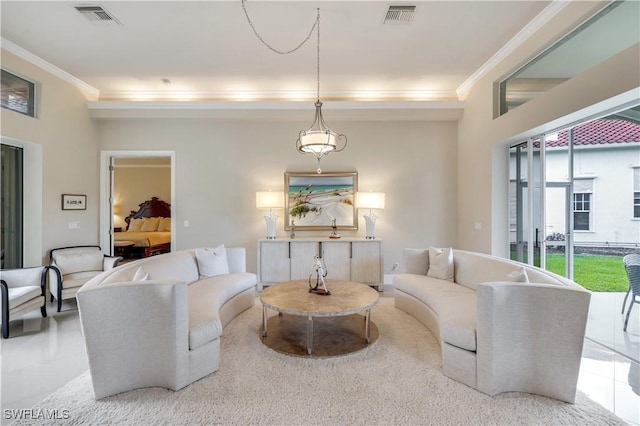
(74, 202)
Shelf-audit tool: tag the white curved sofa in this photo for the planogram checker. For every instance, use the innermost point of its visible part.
(497, 333)
(165, 329)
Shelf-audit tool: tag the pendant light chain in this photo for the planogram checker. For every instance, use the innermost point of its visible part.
(318, 62)
(284, 52)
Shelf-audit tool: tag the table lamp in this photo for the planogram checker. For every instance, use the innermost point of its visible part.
(370, 200)
(270, 200)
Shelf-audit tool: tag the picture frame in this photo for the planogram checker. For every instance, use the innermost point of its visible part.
(313, 201)
(74, 202)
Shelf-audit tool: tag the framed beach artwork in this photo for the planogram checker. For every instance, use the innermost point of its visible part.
(313, 201)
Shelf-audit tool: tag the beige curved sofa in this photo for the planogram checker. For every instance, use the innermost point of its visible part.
(496, 334)
(165, 329)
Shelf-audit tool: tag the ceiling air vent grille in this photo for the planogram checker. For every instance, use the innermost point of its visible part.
(97, 15)
(399, 14)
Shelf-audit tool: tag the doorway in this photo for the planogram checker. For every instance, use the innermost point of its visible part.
(128, 179)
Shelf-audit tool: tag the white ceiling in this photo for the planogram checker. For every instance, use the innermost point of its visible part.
(209, 52)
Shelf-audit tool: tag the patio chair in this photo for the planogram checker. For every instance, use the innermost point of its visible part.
(629, 259)
(22, 290)
(632, 266)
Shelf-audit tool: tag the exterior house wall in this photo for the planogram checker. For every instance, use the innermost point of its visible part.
(612, 198)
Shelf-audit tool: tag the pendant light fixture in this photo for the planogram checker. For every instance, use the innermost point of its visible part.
(318, 139)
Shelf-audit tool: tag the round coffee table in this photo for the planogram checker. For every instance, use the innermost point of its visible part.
(336, 318)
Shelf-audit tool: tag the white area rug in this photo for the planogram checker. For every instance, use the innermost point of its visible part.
(398, 380)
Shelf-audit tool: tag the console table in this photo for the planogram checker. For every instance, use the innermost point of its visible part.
(347, 259)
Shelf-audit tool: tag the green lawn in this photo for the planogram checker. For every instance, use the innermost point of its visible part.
(595, 273)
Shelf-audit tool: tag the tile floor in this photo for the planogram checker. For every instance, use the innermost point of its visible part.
(46, 353)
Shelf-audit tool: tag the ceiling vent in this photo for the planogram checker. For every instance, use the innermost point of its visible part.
(399, 14)
(97, 15)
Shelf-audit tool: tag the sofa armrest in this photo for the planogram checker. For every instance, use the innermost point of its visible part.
(110, 262)
(530, 338)
(136, 335)
(237, 259)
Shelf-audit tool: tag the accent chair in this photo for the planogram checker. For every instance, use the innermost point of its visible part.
(22, 290)
(72, 267)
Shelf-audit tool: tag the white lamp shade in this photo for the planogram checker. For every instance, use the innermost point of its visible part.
(269, 200)
(316, 142)
(370, 200)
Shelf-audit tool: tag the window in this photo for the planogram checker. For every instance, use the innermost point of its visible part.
(18, 94)
(607, 33)
(636, 193)
(581, 211)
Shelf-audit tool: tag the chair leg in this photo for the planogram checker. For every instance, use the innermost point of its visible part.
(624, 302)
(59, 304)
(5, 329)
(626, 320)
(43, 310)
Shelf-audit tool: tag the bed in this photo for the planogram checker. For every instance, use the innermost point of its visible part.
(149, 228)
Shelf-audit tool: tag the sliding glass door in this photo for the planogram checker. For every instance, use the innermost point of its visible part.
(574, 200)
(11, 250)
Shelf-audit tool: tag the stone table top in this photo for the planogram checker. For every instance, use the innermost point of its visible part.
(294, 298)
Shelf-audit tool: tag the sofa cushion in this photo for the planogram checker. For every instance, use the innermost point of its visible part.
(518, 275)
(78, 279)
(441, 263)
(206, 297)
(415, 261)
(78, 259)
(20, 295)
(427, 289)
(457, 315)
(141, 275)
(212, 261)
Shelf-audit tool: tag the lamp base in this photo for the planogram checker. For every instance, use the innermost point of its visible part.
(369, 238)
(271, 238)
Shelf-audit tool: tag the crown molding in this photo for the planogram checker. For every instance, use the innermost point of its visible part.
(90, 92)
(524, 34)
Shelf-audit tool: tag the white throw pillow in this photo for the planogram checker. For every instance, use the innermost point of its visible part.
(212, 261)
(141, 275)
(519, 275)
(441, 263)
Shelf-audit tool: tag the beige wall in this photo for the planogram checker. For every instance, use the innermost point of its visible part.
(483, 141)
(68, 141)
(221, 164)
(134, 185)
